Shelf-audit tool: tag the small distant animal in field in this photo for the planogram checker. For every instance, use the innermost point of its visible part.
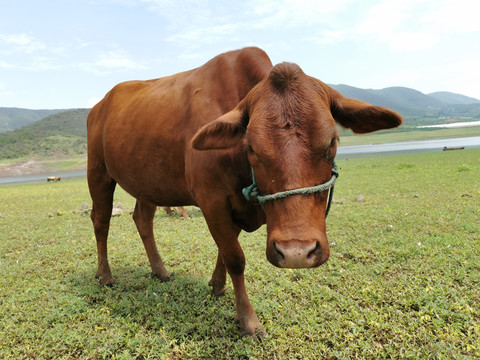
(247, 142)
(54, 178)
(181, 211)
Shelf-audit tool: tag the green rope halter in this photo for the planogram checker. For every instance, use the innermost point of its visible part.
(252, 193)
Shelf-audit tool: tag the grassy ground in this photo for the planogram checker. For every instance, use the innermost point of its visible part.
(71, 164)
(403, 280)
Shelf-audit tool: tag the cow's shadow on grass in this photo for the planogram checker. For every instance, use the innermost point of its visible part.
(181, 309)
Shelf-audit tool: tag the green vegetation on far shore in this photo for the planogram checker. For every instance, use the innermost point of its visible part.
(62, 134)
(402, 281)
(406, 134)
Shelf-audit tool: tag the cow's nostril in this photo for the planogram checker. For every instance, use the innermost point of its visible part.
(314, 251)
(278, 253)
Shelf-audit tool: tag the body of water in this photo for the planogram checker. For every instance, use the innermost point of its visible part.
(40, 177)
(406, 147)
(452, 125)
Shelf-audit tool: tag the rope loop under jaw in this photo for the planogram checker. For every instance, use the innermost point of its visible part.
(252, 193)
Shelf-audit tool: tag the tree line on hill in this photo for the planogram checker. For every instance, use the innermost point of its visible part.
(12, 118)
(63, 133)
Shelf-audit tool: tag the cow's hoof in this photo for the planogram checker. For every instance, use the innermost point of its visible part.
(217, 290)
(252, 329)
(109, 284)
(162, 278)
(106, 280)
(258, 334)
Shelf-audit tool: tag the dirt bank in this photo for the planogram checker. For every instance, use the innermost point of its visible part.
(36, 167)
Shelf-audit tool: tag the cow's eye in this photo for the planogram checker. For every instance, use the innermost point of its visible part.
(331, 150)
(250, 150)
(332, 144)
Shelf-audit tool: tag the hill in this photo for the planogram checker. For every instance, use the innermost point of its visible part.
(452, 98)
(12, 118)
(415, 104)
(60, 134)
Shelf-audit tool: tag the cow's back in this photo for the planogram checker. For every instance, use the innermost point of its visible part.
(139, 133)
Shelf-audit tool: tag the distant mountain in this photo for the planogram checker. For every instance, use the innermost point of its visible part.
(413, 103)
(63, 133)
(12, 118)
(406, 101)
(452, 98)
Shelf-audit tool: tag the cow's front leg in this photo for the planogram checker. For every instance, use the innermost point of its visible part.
(249, 324)
(226, 237)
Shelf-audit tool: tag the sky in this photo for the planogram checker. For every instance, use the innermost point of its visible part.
(59, 54)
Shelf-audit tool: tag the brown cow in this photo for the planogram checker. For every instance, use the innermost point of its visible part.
(54, 178)
(196, 138)
(181, 211)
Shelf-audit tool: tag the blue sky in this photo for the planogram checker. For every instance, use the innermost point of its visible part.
(69, 53)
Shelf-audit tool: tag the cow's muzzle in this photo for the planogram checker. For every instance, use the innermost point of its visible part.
(296, 254)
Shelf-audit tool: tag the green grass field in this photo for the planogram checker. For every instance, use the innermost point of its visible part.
(403, 279)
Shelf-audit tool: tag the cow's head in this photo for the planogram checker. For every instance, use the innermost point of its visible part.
(287, 125)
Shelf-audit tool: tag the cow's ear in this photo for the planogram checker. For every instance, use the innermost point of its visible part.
(360, 116)
(225, 132)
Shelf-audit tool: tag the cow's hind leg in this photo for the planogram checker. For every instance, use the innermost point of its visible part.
(219, 277)
(143, 216)
(183, 213)
(102, 187)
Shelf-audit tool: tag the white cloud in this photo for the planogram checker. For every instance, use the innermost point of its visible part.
(413, 25)
(330, 36)
(92, 102)
(196, 22)
(398, 24)
(112, 61)
(81, 43)
(36, 63)
(387, 16)
(117, 60)
(6, 65)
(208, 34)
(182, 13)
(24, 52)
(415, 43)
(409, 41)
(192, 56)
(22, 42)
(294, 13)
(457, 16)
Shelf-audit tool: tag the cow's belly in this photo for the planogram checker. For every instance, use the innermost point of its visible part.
(161, 190)
(154, 174)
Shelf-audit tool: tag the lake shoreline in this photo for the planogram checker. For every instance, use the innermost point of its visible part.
(50, 167)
